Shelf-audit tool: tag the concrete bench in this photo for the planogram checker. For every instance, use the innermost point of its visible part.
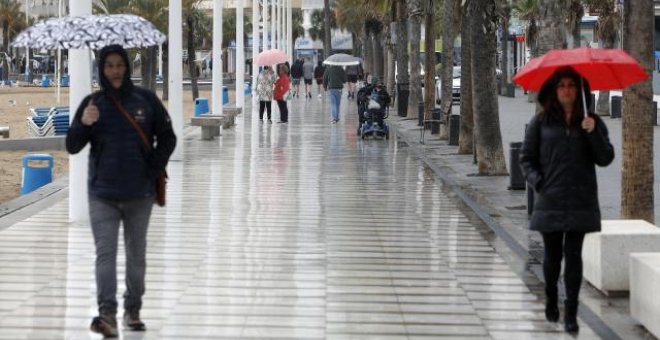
(644, 292)
(605, 254)
(4, 131)
(231, 113)
(210, 125)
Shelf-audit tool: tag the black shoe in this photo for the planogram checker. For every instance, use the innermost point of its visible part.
(551, 310)
(106, 325)
(132, 320)
(570, 317)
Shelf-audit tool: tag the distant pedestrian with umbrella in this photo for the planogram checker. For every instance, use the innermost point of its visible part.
(282, 86)
(563, 144)
(334, 79)
(264, 91)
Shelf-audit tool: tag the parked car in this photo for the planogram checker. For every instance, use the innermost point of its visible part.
(455, 86)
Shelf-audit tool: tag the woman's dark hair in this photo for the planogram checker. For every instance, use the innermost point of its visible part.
(547, 97)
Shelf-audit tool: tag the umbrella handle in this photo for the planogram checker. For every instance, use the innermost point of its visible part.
(584, 98)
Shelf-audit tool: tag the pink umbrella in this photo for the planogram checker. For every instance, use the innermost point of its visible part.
(271, 57)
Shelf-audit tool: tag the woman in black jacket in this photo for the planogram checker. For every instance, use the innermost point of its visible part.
(558, 158)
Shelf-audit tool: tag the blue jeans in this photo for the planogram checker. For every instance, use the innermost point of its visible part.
(335, 101)
(105, 216)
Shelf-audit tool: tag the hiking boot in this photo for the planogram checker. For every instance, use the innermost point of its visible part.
(105, 324)
(132, 320)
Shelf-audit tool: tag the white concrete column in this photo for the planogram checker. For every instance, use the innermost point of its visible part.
(216, 88)
(175, 69)
(160, 60)
(283, 24)
(255, 46)
(240, 55)
(273, 25)
(80, 73)
(289, 30)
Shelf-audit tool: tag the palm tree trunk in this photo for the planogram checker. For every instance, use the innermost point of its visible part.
(367, 49)
(327, 42)
(379, 57)
(391, 59)
(415, 17)
(192, 67)
(466, 135)
(552, 32)
(429, 63)
(402, 59)
(637, 174)
(490, 153)
(166, 73)
(448, 35)
(504, 78)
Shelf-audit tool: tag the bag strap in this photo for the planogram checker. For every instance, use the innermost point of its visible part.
(131, 120)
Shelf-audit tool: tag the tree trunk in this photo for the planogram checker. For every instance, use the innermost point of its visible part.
(637, 174)
(367, 49)
(504, 78)
(379, 57)
(166, 73)
(578, 9)
(446, 78)
(402, 59)
(466, 136)
(192, 67)
(429, 63)
(552, 31)
(415, 16)
(490, 153)
(327, 42)
(391, 59)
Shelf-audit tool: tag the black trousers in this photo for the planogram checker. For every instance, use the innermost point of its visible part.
(568, 245)
(262, 105)
(284, 110)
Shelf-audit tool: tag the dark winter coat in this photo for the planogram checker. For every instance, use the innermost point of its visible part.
(559, 163)
(120, 166)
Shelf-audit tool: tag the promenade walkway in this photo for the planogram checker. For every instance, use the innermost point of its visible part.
(297, 230)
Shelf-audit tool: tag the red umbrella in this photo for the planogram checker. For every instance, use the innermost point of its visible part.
(605, 69)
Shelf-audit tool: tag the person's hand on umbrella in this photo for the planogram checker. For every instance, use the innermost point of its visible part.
(588, 124)
(90, 114)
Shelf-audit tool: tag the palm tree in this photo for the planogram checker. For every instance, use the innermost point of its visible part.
(155, 11)
(552, 33)
(327, 42)
(415, 11)
(466, 135)
(402, 77)
(490, 153)
(608, 27)
(504, 10)
(9, 22)
(637, 174)
(193, 18)
(449, 21)
(528, 10)
(317, 31)
(575, 12)
(111, 6)
(429, 62)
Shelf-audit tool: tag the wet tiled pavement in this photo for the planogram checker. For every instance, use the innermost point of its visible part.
(297, 230)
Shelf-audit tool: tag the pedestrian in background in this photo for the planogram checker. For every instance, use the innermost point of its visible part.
(334, 79)
(308, 76)
(318, 75)
(264, 91)
(561, 148)
(117, 121)
(352, 72)
(282, 85)
(296, 74)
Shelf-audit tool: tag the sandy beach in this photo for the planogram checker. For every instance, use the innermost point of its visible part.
(15, 104)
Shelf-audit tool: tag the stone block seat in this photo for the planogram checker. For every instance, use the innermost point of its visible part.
(605, 254)
(4, 131)
(231, 113)
(645, 291)
(210, 125)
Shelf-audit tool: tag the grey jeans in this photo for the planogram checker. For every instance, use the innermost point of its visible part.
(105, 216)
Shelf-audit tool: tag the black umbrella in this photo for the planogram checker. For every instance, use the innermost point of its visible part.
(92, 32)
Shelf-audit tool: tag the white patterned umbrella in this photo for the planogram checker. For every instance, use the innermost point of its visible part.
(91, 31)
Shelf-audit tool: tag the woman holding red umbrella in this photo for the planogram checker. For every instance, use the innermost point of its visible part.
(562, 146)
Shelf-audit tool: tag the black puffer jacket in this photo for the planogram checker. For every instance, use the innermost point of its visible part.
(559, 163)
(120, 165)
